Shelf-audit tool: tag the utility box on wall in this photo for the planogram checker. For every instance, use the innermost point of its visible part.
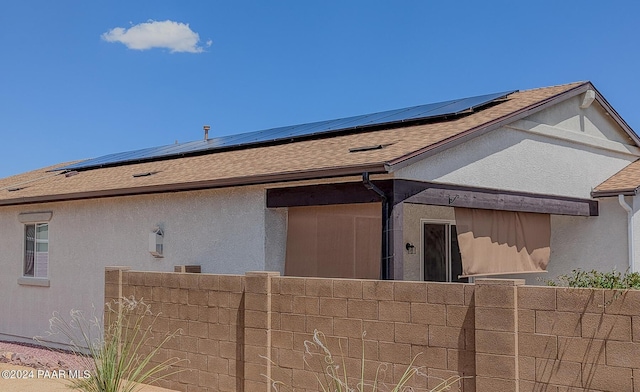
(193, 269)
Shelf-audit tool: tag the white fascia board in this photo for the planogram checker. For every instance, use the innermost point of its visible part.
(617, 118)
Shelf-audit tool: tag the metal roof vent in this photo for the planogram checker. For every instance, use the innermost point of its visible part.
(369, 148)
(206, 131)
(144, 174)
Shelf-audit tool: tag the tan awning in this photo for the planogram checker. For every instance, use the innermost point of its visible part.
(502, 242)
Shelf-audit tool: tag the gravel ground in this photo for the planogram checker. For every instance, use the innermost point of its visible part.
(38, 357)
(22, 357)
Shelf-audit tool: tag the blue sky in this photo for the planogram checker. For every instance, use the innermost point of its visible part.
(81, 79)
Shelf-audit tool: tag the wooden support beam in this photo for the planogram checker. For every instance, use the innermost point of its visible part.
(505, 202)
(397, 241)
(418, 192)
(326, 194)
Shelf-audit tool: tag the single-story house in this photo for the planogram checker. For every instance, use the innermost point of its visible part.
(509, 183)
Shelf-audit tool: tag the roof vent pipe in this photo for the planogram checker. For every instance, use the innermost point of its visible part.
(206, 131)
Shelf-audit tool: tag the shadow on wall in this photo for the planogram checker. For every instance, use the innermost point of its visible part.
(579, 344)
(240, 346)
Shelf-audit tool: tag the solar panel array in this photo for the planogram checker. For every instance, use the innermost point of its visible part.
(293, 132)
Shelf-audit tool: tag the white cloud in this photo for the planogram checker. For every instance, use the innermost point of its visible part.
(175, 36)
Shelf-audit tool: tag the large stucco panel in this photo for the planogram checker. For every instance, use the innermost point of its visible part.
(593, 120)
(223, 230)
(589, 242)
(520, 161)
(562, 150)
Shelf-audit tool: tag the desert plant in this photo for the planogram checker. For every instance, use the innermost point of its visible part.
(331, 372)
(116, 351)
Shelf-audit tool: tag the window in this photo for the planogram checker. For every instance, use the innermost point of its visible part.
(36, 250)
(441, 258)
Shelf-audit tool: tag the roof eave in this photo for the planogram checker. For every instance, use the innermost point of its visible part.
(377, 168)
(616, 117)
(614, 192)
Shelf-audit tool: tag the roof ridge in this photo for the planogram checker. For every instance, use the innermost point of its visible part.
(577, 83)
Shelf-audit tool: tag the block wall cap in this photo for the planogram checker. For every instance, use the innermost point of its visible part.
(117, 268)
(500, 282)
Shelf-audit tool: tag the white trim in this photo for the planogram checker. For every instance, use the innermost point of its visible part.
(31, 281)
(35, 217)
(578, 138)
(35, 253)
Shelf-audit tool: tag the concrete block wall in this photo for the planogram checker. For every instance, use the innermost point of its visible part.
(239, 331)
(579, 339)
(431, 322)
(496, 324)
(207, 310)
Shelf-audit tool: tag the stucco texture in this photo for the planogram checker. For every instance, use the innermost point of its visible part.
(223, 230)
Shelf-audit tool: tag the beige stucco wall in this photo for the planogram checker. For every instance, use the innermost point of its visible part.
(521, 161)
(558, 151)
(586, 147)
(589, 242)
(224, 230)
(413, 215)
(593, 121)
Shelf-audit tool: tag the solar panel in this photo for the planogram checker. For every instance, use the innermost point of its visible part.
(292, 132)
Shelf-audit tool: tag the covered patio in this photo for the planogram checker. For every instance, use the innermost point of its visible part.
(383, 229)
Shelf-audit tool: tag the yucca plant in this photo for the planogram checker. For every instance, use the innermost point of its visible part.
(331, 375)
(118, 351)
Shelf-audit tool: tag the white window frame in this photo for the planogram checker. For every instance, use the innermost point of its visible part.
(448, 223)
(34, 280)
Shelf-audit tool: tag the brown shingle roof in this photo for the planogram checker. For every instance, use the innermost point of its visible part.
(626, 181)
(322, 157)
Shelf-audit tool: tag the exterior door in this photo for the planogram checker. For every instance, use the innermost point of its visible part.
(441, 258)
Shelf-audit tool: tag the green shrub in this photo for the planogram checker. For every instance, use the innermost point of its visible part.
(118, 353)
(597, 279)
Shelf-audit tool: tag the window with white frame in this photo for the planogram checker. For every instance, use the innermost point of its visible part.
(36, 250)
